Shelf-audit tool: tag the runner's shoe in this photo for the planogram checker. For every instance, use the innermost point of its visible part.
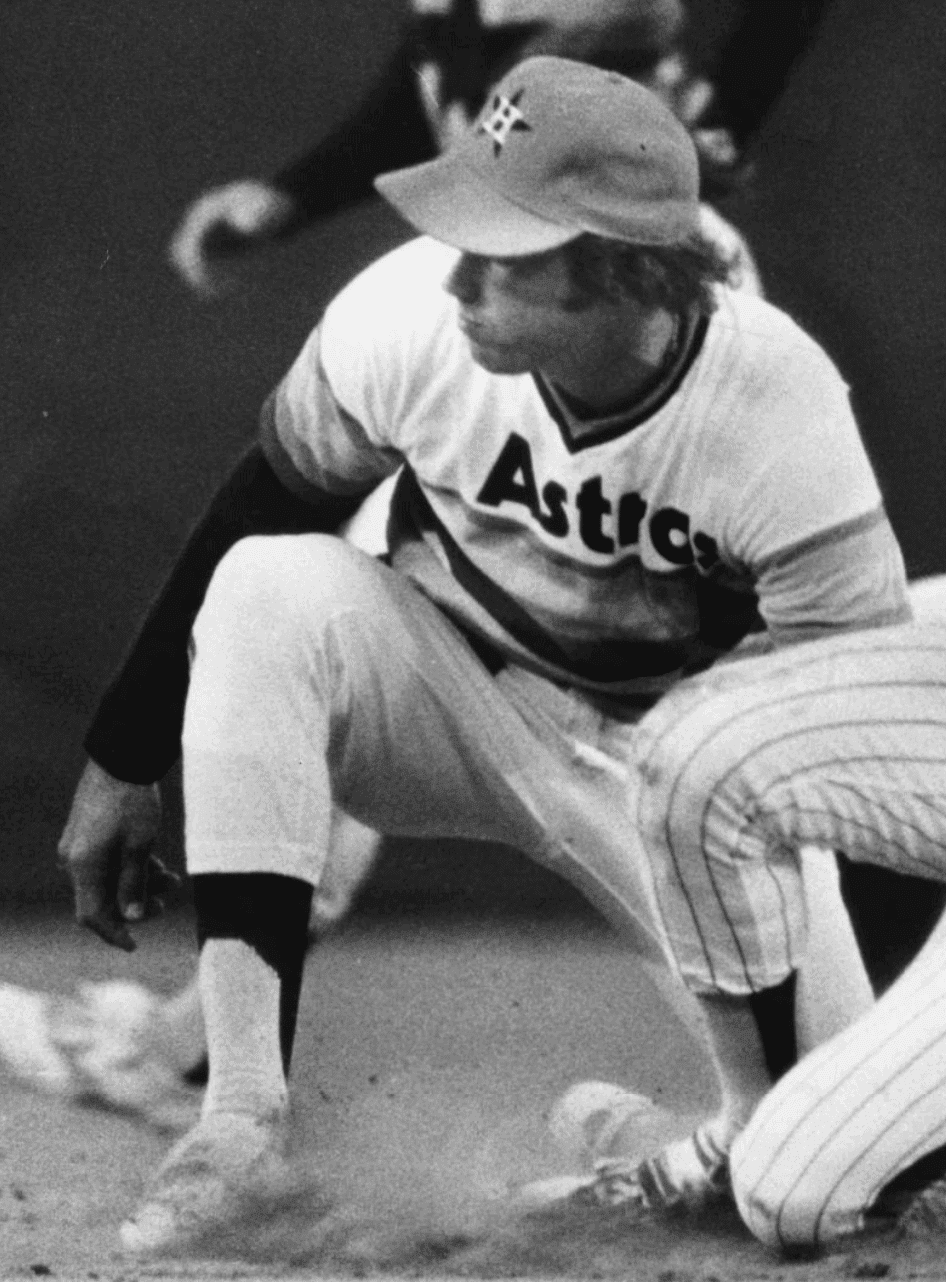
(217, 1182)
(691, 1174)
(594, 1120)
(611, 1134)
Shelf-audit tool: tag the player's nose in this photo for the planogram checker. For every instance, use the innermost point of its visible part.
(465, 281)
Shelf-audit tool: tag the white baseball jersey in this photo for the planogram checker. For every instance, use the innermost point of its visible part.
(841, 743)
(615, 557)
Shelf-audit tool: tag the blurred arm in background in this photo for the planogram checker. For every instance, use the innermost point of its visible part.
(451, 52)
(434, 84)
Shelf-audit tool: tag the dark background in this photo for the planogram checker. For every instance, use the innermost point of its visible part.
(123, 397)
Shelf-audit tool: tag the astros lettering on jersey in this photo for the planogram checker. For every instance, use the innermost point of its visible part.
(615, 557)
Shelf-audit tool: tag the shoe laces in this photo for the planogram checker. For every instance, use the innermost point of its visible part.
(615, 1182)
(686, 1175)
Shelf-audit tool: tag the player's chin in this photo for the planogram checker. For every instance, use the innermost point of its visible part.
(497, 358)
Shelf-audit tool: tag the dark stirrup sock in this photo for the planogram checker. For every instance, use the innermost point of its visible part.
(271, 914)
(774, 1012)
(893, 915)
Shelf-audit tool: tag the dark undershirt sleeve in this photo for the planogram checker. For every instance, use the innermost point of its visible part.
(753, 68)
(136, 732)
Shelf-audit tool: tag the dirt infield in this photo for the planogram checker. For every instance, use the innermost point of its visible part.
(428, 1051)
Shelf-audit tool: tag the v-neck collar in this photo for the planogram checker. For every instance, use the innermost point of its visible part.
(580, 431)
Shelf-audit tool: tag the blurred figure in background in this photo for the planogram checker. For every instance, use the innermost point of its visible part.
(433, 86)
(753, 67)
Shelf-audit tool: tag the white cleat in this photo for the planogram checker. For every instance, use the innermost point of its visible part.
(100, 1047)
(632, 1154)
(691, 1175)
(595, 1120)
(216, 1183)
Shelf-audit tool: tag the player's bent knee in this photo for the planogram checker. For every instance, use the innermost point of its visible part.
(267, 576)
(684, 772)
(785, 1223)
(260, 559)
(675, 732)
(758, 1214)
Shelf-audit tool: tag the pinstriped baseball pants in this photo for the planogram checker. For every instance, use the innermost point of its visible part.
(842, 744)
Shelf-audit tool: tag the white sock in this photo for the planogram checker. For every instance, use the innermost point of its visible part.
(240, 997)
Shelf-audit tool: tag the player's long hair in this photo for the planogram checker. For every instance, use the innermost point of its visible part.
(677, 278)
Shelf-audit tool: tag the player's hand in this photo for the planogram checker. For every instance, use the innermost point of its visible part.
(689, 96)
(106, 850)
(225, 223)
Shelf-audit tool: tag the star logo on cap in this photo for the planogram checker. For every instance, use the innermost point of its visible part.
(504, 117)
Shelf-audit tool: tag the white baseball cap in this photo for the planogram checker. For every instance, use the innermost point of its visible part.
(559, 149)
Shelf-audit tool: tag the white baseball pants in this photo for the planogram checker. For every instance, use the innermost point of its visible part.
(841, 743)
(320, 675)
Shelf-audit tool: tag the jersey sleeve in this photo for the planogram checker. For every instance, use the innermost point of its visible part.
(811, 526)
(311, 441)
(851, 576)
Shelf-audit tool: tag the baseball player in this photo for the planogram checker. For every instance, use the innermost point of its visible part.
(436, 80)
(613, 468)
(434, 85)
(840, 743)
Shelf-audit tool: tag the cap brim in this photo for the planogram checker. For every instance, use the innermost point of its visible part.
(447, 199)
